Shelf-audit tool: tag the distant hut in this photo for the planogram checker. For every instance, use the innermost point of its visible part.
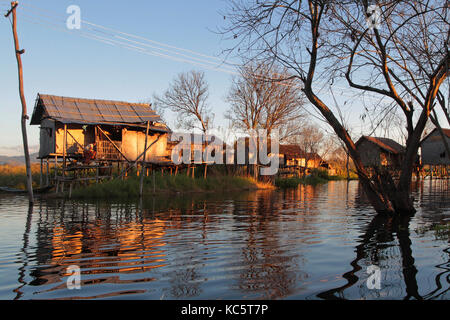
(198, 144)
(117, 130)
(292, 155)
(315, 161)
(380, 152)
(433, 148)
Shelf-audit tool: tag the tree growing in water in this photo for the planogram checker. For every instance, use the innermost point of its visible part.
(397, 50)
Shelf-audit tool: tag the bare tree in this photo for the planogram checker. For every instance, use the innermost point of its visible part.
(311, 140)
(187, 96)
(261, 98)
(317, 40)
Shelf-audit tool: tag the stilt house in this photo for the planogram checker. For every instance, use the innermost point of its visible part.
(433, 148)
(380, 152)
(116, 129)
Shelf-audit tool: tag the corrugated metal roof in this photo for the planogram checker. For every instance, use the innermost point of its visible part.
(91, 111)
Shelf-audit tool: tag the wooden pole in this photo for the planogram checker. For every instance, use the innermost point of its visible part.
(47, 178)
(24, 118)
(56, 167)
(41, 174)
(64, 150)
(154, 181)
(141, 189)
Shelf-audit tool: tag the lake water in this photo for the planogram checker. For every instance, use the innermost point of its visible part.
(309, 243)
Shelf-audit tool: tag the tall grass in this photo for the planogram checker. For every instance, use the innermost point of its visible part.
(129, 188)
(316, 177)
(15, 176)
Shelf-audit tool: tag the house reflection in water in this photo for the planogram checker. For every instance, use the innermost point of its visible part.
(309, 242)
(110, 243)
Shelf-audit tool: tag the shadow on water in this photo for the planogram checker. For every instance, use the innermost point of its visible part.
(273, 245)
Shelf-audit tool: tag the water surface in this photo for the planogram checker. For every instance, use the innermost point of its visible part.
(308, 243)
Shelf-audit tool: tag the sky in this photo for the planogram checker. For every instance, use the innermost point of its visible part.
(64, 63)
(61, 62)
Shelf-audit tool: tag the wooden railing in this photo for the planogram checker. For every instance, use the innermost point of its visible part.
(107, 151)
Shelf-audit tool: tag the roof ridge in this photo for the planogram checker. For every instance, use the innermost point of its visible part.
(95, 100)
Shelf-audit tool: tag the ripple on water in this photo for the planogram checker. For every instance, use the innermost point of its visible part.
(308, 243)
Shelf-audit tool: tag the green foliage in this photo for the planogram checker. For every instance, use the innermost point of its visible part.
(317, 176)
(286, 183)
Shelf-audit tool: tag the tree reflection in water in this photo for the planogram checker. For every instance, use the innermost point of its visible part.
(381, 230)
(271, 245)
(385, 233)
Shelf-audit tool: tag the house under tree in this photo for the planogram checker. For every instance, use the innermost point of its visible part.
(380, 152)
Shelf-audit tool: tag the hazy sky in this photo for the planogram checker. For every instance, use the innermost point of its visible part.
(66, 63)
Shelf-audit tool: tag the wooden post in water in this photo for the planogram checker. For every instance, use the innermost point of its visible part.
(41, 174)
(154, 181)
(47, 178)
(24, 117)
(56, 167)
(64, 157)
(141, 187)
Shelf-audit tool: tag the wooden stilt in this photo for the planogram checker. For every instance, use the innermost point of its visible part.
(141, 190)
(56, 167)
(47, 178)
(154, 180)
(64, 151)
(41, 174)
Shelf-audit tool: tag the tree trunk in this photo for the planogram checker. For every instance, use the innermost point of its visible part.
(24, 117)
(375, 193)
